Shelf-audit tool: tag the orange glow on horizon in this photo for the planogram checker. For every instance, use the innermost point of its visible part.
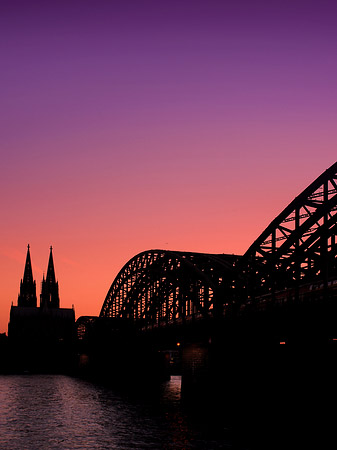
(188, 130)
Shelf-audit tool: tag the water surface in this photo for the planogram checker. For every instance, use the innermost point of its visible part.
(61, 412)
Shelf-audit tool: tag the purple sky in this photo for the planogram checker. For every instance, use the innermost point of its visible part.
(130, 125)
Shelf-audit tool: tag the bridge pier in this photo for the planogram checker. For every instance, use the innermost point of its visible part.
(117, 354)
(195, 376)
(126, 366)
(264, 367)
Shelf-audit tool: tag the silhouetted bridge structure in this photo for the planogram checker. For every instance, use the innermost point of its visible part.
(228, 315)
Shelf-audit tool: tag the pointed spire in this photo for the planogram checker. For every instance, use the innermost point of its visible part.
(28, 272)
(27, 296)
(50, 278)
(49, 288)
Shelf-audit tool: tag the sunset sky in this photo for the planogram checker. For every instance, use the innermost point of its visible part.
(134, 125)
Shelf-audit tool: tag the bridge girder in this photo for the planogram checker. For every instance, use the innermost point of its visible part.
(159, 287)
(297, 248)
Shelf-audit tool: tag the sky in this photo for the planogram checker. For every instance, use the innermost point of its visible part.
(139, 124)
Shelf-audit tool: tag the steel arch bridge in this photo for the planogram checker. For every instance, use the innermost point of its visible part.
(159, 287)
(294, 256)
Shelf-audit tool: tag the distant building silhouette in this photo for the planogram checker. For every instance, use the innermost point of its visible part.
(40, 338)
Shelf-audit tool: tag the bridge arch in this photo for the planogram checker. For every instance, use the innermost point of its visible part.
(296, 253)
(159, 287)
(297, 248)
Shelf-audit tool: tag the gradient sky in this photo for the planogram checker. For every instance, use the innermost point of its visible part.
(132, 125)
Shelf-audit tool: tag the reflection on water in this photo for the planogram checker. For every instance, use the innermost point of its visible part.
(60, 412)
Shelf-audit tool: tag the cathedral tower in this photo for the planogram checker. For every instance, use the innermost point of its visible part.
(50, 288)
(27, 296)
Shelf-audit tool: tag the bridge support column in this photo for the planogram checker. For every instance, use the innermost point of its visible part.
(195, 380)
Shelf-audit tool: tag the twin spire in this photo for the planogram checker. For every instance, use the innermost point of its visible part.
(49, 288)
(27, 296)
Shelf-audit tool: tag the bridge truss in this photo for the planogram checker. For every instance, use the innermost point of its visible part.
(295, 255)
(159, 287)
(297, 252)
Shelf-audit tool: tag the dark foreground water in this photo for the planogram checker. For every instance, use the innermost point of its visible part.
(42, 412)
(60, 412)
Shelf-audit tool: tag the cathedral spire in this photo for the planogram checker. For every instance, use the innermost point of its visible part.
(50, 289)
(28, 272)
(51, 271)
(27, 296)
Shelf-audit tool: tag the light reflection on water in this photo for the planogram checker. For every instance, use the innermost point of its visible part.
(60, 412)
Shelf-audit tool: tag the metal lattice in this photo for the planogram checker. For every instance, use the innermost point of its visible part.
(295, 254)
(159, 287)
(298, 248)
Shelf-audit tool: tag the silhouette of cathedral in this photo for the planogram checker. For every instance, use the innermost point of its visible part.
(41, 338)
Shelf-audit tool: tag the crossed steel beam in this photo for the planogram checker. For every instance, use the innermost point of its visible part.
(295, 254)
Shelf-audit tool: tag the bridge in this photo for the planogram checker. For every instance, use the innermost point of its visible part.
(225, 313)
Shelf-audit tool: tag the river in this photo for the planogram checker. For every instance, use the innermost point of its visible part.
(47, 412)
(63, 413)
